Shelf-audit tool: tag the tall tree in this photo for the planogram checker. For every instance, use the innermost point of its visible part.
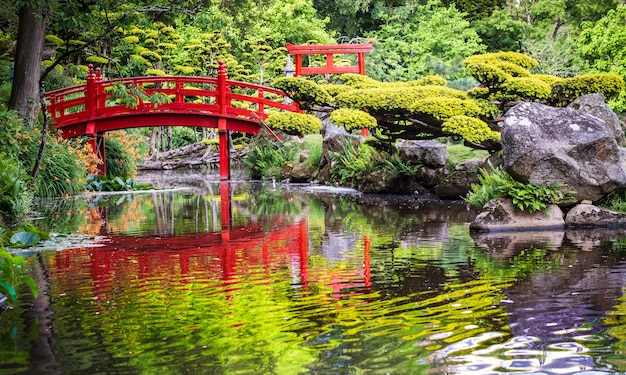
(419, 40)
(602, 46)
(29, 51)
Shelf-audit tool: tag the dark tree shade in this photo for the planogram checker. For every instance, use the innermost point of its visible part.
(352, 19)
(476, 9)
(589, 10)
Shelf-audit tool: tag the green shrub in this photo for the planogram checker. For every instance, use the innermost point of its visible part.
(57, 79)
(266, 158)
(314, 144)
(527, 197)
(352, 164)
(524, 88)
(565, 91)
(183, 136)
(5, 92)
(61, 172)
(119, 163)
(493, 69)
(101, 183)
(15, 196)
(303, 90)
(615, 201)
(470, 128)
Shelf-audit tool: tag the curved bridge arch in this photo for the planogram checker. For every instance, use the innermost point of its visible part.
(91, 109)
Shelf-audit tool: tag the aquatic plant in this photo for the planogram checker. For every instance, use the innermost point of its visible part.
(103, 183)
(13, 275)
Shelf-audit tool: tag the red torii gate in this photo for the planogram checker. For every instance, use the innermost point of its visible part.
(330, 50)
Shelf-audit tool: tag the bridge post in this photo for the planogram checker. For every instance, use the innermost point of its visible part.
(96, 140)
(222, 103)
(224, 144)
(90, 93)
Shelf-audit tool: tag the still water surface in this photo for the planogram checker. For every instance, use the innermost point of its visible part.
(242, 278)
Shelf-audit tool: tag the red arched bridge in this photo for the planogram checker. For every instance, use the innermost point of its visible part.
(91, 109)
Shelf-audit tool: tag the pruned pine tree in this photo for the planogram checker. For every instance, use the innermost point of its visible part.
(427, 109)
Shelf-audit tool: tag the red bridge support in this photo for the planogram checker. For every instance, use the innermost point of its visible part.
(222, 102)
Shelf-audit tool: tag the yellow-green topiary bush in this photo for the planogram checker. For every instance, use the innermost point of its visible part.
(304, 91)
(442, 108)
(523, 88)
(493, 69)
(394, 98)
(565, 91)
(294, 123)
(470, 128)
(352, 119)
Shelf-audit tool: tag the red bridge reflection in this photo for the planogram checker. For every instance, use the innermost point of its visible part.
(222, 255)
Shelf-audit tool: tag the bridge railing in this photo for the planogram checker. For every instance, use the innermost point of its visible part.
(219, 97)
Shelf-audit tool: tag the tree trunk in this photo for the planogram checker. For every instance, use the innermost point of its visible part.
(170, 142)
(153, 139)
(557, 25)
(29, 51)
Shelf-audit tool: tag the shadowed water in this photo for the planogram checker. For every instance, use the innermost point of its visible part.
(267, 278)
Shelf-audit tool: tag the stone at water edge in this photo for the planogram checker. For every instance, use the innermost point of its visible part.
(546, 145)
(588, 215)
(502, 215)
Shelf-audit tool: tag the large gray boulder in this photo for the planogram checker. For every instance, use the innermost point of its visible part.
(545, 145)
(595, 105)
(427, 152)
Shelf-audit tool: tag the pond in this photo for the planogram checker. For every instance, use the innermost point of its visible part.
(266, 278)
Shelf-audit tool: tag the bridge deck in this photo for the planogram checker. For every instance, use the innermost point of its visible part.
(96, 107)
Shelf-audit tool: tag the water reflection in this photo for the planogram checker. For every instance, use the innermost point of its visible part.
(263, 278)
